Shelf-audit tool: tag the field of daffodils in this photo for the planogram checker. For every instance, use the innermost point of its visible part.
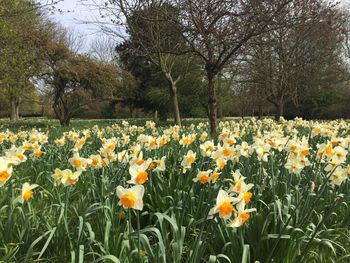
(261, 191)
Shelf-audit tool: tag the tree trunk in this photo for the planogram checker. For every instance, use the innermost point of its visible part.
(17, 109)
(13, 110)
(173, 94)
(279, 110)
(62, 116)
(219, 95)
(65, 122)
(212, 104)
(65, 119)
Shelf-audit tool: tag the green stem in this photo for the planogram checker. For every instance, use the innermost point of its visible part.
(138, 236)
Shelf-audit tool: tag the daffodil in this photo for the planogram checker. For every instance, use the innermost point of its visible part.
(203, 177)
(5, 171)
(224, 205)
(207, 148)
(79, 163)
(293, 165)
(15, 155)
(66, 177)
(242, 215)
(26, 192)
(60, 142)
(131, 197)
(244, 149)
(188, 160)
(338, 176)
(139, 174)
(37, 153)
(96, 161)
(160, 164)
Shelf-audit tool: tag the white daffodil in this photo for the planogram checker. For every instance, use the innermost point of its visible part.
(131, 197)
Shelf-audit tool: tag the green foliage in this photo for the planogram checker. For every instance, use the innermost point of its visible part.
(20, 58)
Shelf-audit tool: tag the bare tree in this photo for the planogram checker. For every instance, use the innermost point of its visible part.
(290, 60)
(104, 49)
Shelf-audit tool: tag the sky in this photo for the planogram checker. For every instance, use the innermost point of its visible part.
(73, 15)
(74, 12)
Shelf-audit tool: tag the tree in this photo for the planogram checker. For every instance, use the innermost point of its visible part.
(150, 92)
(73, 80)
(217, 30)
(151, 34)
(288, 62)
(20, 59)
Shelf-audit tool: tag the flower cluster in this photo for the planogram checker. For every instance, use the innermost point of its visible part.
(231, 204)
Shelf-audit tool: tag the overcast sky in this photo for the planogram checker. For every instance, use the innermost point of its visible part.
(74, 12)
(73, 15)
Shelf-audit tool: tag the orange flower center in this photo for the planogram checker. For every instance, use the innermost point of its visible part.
(335, 143)
(238, 186)
(110, 147)
(152, 144)
(305, 152)
(226, 152)
(190, 159)
(4, 176)
(26, 147)
(128, 200)
(215, 176)
(186, 141)
(20, 156)
(72, 180)
(139, 162)
(247, 197)
(204, 179)
(38, 153)
(209, 148)
(77, 163)
(328, 150)
(243, 217)
(27, 194)
(221, 164)
(225, 209)
(151, 166)
(94, 162)
(142, 177)
(230, 142)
